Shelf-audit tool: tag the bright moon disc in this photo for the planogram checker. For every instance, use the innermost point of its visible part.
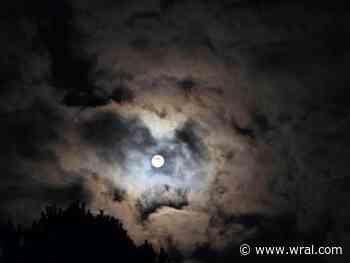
(157, 161)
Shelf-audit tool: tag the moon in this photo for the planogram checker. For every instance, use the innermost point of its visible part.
(157, 161)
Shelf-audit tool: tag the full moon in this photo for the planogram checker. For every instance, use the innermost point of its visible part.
(157, 161)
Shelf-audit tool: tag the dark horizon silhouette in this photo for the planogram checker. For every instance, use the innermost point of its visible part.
(73, 234)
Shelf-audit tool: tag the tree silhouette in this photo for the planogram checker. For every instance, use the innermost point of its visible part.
(74, 235)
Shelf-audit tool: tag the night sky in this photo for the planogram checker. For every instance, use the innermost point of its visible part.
(246, 100)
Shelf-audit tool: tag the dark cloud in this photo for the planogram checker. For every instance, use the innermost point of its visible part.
(122, 94)
(34, 189)
(58, 32)
(28, 138)
(71, 68)
(26, 135)
(186, 85)
(245, 131)
(141, 18)
(261, 122)
(162, 196)
(29, 132)
(140, 43)
(113, 136)
(43, 193)
(188, 135)
(167, 4)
